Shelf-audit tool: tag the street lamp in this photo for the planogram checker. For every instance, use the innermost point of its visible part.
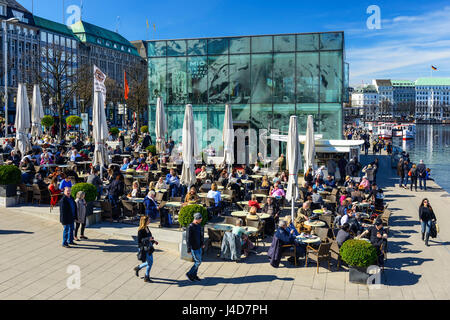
(5, 50)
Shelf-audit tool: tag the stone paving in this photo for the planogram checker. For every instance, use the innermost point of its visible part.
(33, 264)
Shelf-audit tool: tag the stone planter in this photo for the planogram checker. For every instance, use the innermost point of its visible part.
(9, 190)
(358, 275)
(183, 249)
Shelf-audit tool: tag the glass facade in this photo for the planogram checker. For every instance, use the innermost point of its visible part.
(264, 78)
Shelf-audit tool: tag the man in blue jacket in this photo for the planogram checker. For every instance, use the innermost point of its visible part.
(422, 175)
(195, 244)
(67, 215)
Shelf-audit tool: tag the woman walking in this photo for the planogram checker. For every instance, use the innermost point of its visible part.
(145, 242)
(427, 217)
(81, 215)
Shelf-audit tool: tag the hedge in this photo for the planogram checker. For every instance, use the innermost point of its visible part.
(89, 189)
(358, 253)
(186, 215)
(10, 174)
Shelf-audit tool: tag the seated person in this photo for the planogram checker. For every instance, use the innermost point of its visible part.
(252, 212)
(287, 237)
(273, 210)
(174, 183)
(153, 164)
(238, 230)
(65, 183)
(357, 195)
(135, 191)
(39, 181)
(330, 183)
(343, 234)
(347, 181)
(365, 184)
(161, 184)
(236, 187)
(151, 206)
(131, 169)
(290, 225)
(254, 202)
(143, 166)
(125, 164)
(378, 238)
(202, 174)
(191, 196)
(317, 186)
(265, 185)
(256, 168)
(215, 194)
(302, 217)
(277, 192)
(317, 200)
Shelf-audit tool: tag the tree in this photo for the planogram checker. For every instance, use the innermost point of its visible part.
(57, 77)
(138, 96)
(85, 82)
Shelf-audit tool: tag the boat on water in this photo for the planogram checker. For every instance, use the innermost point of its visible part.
(384, 130)
(388, 130)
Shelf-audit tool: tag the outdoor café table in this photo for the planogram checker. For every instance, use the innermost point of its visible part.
(173, 204)
(308, 239)
(260, 195)
(239, 214)
(220, 187)
(256, 217)
(229, 227)
(202, 195)
(256, 176)
(246, 181)
(324, 193)
(242, 204)
(226, 196)
(315, 223)
(161, 190)
(137, 200)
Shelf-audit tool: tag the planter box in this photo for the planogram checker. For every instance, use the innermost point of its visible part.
(358, 275)
(9, 190)
(183, 249)
(6, 202)
(93, 219)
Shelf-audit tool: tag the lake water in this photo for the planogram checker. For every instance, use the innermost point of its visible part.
(432, 144)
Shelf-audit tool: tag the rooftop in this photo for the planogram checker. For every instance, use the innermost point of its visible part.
(53, 26)
(402, 83)
(433, 82)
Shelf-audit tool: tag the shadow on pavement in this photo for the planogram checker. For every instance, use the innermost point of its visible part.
(111, 245)
(398, 263)
(213, 281)
(394, 277)
(6, 232)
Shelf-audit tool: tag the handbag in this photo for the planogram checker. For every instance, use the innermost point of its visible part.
(141, 255)
(433, 231)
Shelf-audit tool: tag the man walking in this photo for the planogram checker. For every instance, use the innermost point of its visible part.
(67, 214)
(195, 244)
(422, 175)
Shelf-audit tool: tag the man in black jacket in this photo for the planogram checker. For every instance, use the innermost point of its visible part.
(195, 244)
(422, 174)
(342, 163)
(67, 214)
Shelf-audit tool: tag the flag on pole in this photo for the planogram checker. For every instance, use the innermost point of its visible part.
(433, 67)
(154, 27)
(126, 87)
(148, 26)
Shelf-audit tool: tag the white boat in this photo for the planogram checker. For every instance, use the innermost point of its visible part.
(384, 130)
(409, 131)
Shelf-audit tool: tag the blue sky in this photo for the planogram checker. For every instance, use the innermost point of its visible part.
(414, 34)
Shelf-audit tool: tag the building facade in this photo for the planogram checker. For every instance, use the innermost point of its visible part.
(403, 98)
(364, 101)
(432, 99)
(265, 79)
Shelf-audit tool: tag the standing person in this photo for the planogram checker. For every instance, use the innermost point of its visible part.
(331, 166)
(413, 174)
(145, 243)
(81, 215)
(406, 168)
(195, 244)
(67, 215)
(427, 217)
(400, 172)
(422, 175)
(342, 163)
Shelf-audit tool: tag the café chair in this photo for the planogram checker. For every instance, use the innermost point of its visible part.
(40, 195)
(322, 233)
(214, 239)
(320, 254)
(230, 220)
(289, 253)
(130, 208)
(335, 253)
(258, 225)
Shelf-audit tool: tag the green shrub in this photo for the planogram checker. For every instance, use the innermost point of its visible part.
(114, 131)
(10, 175)
(186, 215)
(152, 149)
(47, 121)
(74, 120)
(89, 189)
(358, 253)
(144, 129)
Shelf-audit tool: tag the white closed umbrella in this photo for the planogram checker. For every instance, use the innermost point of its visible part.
(228, 137)
(190, 148)
(294, 162)
(37, 113)
(22, 120)
(309, 152)
(99, 131)
(160, 126)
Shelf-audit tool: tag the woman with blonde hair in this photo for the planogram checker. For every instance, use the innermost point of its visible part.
(81, 215)
(145, 243)
(265, 183)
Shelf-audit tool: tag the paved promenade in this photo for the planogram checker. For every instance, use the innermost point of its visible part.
(33, 264)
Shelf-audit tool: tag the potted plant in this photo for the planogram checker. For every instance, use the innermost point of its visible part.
(74, 120)
(144, 129)
(152, 149)
(10, 177)
(358, 254)
(47, 122)
(90, 195)
(114, 132)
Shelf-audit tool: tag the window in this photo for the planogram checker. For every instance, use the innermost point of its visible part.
(3, 10)
(43, 36)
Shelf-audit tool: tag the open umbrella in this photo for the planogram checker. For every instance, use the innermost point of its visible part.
(294, 162)
(228, 137)
(99, 131)
(309, 151)
(160, 126)
(22, 120)
(37, 113)
(190, 148)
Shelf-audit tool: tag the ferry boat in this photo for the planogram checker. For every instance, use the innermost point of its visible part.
(384, 130)
(409, 131)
